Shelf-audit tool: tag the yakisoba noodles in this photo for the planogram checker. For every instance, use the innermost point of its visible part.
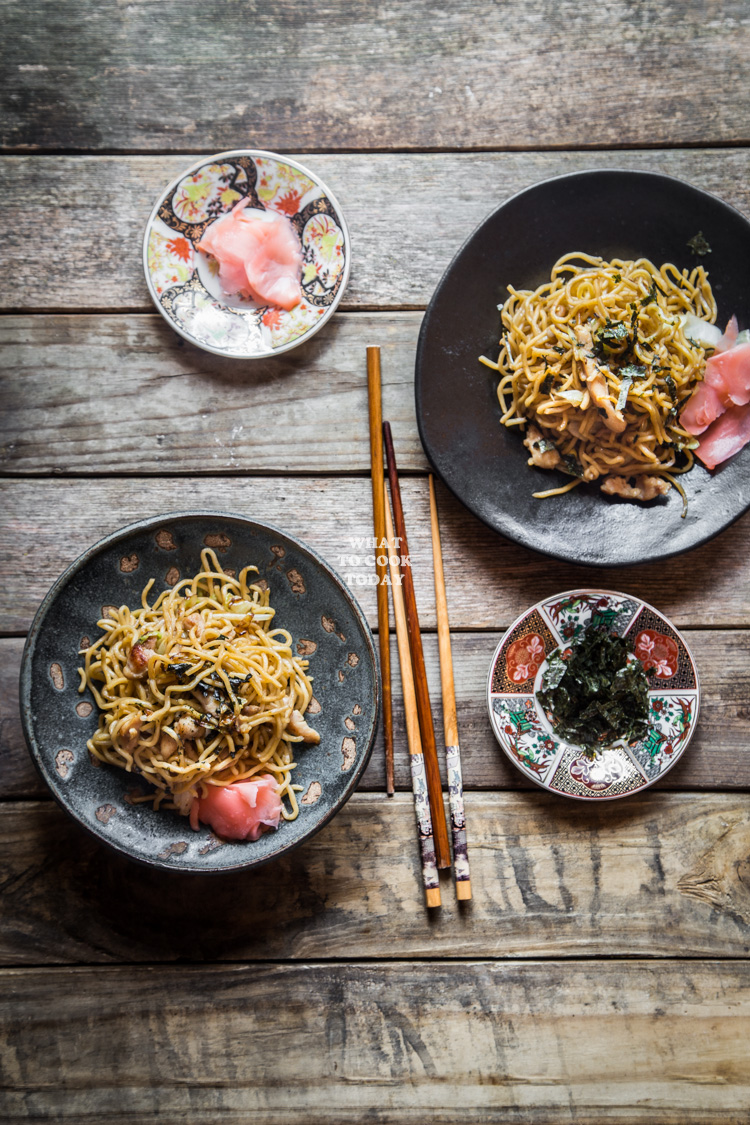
(596, 365)
(197, 690)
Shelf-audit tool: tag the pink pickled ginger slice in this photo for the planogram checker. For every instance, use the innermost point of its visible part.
(240, 811)
(703, 407)
(259, 256)
(274, 266)
(725, 437)
(230, 244)
(729, 375)
(731, 332)
(726, 383)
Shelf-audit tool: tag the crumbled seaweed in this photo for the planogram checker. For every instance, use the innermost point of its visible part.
(181, 671)
(613, 337)
(546, 385)
(632, 342)
(235, 681)
(650, 296)
(559, 349)
(594, 693)
(632, 371)
(212, 686)
(543, 445)
(626, 383)
(672, 388)
(570, 466)
(699, 245)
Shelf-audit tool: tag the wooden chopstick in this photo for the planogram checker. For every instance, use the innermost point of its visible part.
(450, 718)
(427, 730)
(416, 757)
(378, 514)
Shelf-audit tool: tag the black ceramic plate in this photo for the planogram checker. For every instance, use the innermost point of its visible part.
(311, 602)
(611, 214)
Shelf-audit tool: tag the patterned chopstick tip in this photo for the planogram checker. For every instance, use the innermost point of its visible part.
(424, 821)
(458, 817)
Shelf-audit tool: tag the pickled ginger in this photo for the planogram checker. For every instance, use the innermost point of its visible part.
(259, 255)
(240, 811)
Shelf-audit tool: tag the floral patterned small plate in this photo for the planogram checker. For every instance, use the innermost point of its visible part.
(523, 729)
(184, 283)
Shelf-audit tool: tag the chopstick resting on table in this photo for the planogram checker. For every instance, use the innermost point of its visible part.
(416, 757)
(426, 728)
(450, 719)
(378, 514)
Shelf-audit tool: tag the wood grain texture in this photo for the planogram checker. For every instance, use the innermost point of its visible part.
(97, 394)
(580, 987)
(46, 524)
(718, 757)
(350, 75)
(661, 875)
(522, 1044)
(407, 213)
(447, 679)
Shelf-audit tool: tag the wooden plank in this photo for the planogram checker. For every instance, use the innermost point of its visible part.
(626, 1041)
(660, 875)
(97, 394)
(718, 758)
(74, 238)
(410, 75)
(46, 524)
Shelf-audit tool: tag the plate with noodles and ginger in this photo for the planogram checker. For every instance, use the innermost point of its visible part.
(200, 691)
(582, 382)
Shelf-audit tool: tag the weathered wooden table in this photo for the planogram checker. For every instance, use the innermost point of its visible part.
(601, 972)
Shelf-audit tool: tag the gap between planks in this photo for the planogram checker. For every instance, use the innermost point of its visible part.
(396, 150)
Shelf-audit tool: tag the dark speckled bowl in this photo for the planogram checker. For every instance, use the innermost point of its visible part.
(311, 602)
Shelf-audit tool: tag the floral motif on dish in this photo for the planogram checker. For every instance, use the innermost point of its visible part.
(610, 773)
(519, 651)
(519, 726)
(658, 653)
(671, 722)
(170, 259)
(208, 192)
(524, 657)
(662, 652)
(281, 187)
(573, 613)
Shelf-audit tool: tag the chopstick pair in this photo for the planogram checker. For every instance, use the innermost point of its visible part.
(421, 734)
(426, 783)
(421, 691)
(413, 737)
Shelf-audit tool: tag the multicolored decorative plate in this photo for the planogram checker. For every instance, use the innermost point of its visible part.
(184, 282)
(526, 734)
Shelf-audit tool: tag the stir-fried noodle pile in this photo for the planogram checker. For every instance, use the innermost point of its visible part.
(596, 365)
(198, 689)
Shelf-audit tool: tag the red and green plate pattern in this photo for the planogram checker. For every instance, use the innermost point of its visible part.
(525, 731)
